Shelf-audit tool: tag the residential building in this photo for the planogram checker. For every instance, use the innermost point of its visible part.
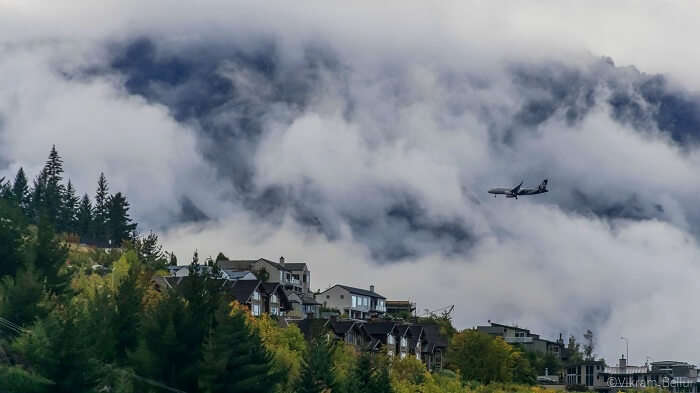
(415, 341)
(351, 332)
(667, 375)
(384, 336)
(433, 347)
(589, 373)
(523, 337)
(356, 303)
(294, 277)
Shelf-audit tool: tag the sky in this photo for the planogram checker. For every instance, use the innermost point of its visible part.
(362, 139)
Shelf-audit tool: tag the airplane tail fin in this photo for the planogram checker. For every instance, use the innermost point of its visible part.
(543, 185)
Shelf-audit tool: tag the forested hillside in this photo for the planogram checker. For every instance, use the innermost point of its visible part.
(76, 317)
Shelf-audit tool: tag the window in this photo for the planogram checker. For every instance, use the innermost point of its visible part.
(256, 295)
(281, 277)
(342, 296)
(256, 310)
(404, 342)
(389, 339)
(273, 311)
(328, 296)
(354, 301)
(305, 278)
(273, 298)
(589, 375)
(365, 301)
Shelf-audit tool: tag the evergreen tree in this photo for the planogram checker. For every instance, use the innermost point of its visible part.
(38, 199)
(360, 380)
(173, 259)
(49, 258)
(318, 372)
(119, 224)
(54, 190)
(13, 230)
(101, 212)
(21, 297)
(20, 190)
(127, 312)
(69, 209)
(151, 252)
(234, 359)
(84, 219)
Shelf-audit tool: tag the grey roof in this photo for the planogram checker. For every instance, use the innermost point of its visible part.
(306, 299)
(379, 328)
(242, 290)
(341, 327)
(235, 274)
(363, 292)
(401, 330)
(245, 264)
(433, 336)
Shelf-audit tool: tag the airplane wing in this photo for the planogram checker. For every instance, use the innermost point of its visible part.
(517, 188)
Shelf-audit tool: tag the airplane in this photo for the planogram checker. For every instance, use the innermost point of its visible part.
(515, 191)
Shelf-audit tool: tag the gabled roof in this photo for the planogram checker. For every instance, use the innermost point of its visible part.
(433, 336)
(416, 331)
(379, 328)
(236, 274)
(358, 291)
(242, 290)
(341, 327)
(311, 327)
(401, 330)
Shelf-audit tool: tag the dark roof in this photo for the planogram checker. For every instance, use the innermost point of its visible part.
(363, 292)
(433, 336)
(416, 330)
(341, 327)
(379, 328)
(242, 290)
(401, 330)
(311, 327)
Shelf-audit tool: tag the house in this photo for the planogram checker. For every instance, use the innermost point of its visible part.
(523, 337)
(384, 336)
(588, 373)
(275, 298)
(351, 332)
(400, 308)
(415, 340)
(276, 272)
(301, 276)
(433, 347)
(402, 340)
(668, 375)
(257, 296)
(356, 303)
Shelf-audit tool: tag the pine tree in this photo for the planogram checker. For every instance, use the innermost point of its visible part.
(38, 199)
(151, 252)
(119, 224)
(53, 197)
(20, 190)
(69, 209)
(49, 257)
(84, 219)
(101, 211)
(13, 230)
(318, 372)
(234, 359)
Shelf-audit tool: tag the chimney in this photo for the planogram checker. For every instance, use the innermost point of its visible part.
(371, 288)
(623, 361)
(281, 260)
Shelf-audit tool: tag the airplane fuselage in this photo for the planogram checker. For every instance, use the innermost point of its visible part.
(515, 191)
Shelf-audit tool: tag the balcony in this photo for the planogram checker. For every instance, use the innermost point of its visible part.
(518, 340)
